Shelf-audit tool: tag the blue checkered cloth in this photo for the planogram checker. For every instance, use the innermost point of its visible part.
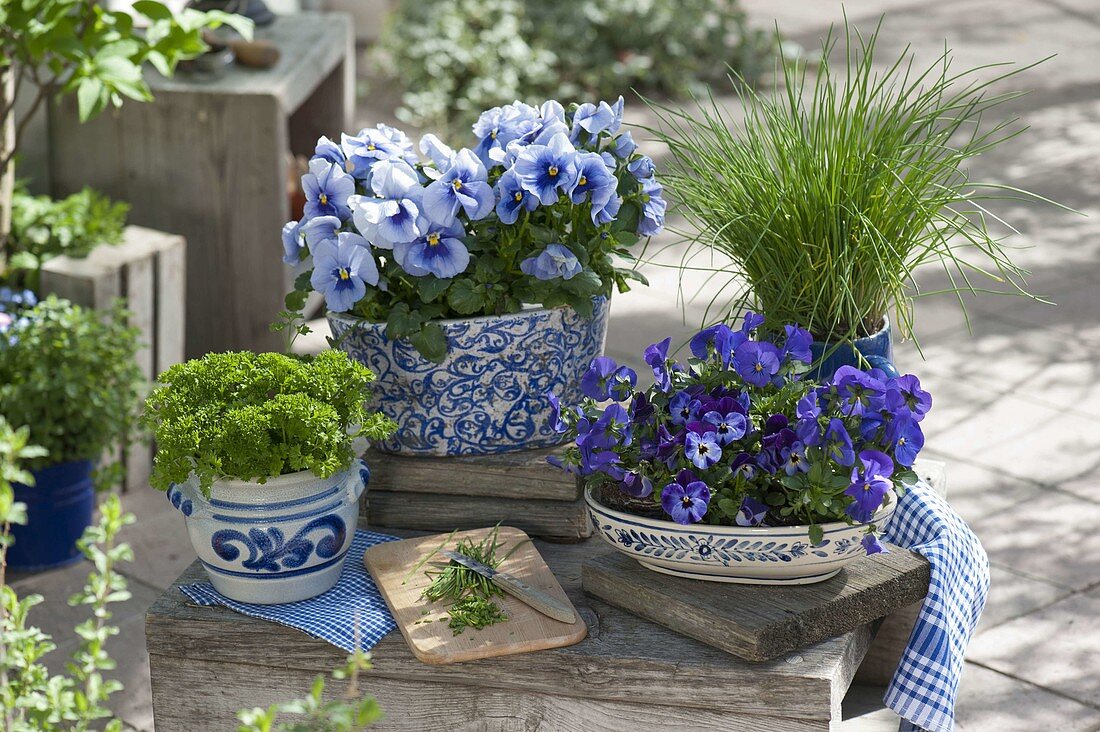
(331, 616)
(926, 683)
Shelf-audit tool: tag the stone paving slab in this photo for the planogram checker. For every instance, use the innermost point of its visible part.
(162, 549)
(1056, 647)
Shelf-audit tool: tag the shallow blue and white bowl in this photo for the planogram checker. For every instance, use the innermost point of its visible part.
(780, 555)
(282, 541)
(489, 394)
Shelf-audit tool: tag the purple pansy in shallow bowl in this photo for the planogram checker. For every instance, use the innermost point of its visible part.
(782, 480)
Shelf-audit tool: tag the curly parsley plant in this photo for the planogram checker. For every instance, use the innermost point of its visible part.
(255, 416)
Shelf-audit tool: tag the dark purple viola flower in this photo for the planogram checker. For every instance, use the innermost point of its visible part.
(601, 461)
(686, 503)
(612, 428)
(702, 450)
(557, 462)
(702, 343)
(775, 423)
(808, 431)
(906, 438)
(636, 484)
(808, 406)
(699, 426)
(797, 345)
(870, 482)
(796, 461)
(872, 545)
(594, 382)
(684, 407)
(751, 322)
(861, 392)
(743, 466)
(621, 383)
(756, 362)
(905, 392)
(871, 427)
(559, 425)
(751, 513)
(656, 357)
(668, 443)
(641, 409)
(838, 443)
(728, 424)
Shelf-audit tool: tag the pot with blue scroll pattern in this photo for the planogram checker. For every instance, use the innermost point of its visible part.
(281, 541)
(489, 393)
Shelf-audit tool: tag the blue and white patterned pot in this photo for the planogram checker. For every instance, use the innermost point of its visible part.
(489, 395)
(282, 541)
(780, 555)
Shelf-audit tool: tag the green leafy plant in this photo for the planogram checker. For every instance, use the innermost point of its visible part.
(834, 191)
(455, 59)
(312, 713)
(70, 374)
(30, 696)
(256, 416)
(43, 228)
(61, 47)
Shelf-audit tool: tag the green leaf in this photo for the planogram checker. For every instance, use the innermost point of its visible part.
(431, 342)
(91, 98)
(432, 287)
(402, 322)
(816, 534)
(465, 297)
(152, 10)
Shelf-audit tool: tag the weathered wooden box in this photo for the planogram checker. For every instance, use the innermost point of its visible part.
(440, 494)
(628, 674)
(148, 269)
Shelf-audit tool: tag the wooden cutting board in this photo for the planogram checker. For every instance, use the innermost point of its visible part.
(424, 623)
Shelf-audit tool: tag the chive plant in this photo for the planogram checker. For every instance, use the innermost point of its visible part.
(834, 190)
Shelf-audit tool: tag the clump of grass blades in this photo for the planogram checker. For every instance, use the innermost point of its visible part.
(834, 190)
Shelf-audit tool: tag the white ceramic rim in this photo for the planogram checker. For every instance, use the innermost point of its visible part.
(274, 489)
(880, 516)
(528, 310)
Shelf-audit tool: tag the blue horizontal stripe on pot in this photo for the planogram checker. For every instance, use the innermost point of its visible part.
(258, 452)
(829, 195)
(473, 280)
(735, 467)
(69, 375)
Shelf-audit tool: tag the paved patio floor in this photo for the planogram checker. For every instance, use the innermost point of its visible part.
(1017, 400)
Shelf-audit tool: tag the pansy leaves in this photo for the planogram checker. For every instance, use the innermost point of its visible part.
(466, 297)
(429, 288)
(431, 342)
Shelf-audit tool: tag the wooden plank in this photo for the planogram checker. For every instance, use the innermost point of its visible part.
(559, 520)
(423, 623)
(757, 622)
(523, 474)
(171, 303)
(623, 659)
(416, 706)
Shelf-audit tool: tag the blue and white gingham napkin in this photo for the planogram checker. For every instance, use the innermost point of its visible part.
(330, 616)
(926, 683)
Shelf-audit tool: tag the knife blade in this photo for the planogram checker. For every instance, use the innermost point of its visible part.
(517, 588)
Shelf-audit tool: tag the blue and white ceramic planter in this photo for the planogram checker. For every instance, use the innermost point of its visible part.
(282, 541)
(780, 555)
(489, 395)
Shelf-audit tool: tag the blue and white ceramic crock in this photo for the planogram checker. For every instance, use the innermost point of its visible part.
(282, 541)
(489, 395)
(780, 555)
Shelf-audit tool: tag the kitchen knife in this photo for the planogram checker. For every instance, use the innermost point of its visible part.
(539, 600)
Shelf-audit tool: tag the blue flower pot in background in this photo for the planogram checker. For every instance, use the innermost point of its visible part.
(877, 350)
(59, 508)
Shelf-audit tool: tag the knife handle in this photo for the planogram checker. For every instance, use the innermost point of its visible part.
(539, 600)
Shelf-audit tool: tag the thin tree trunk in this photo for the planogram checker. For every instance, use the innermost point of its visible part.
(7, 147)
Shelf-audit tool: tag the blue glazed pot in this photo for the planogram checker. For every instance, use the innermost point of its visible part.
(877, 349)
(59, 508)
(489, 395)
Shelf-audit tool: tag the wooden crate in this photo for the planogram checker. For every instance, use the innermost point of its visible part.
(148, 269)
(628, 674)
(440, 494)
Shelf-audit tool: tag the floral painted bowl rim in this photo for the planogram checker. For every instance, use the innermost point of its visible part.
(528, 309)
(881, 515)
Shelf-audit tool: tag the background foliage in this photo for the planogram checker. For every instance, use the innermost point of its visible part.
(456, 59)
(70, 374)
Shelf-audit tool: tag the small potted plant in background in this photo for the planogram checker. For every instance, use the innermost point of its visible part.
(258, 451)
(732, 468)
(830, 195)
(478, 279)
(70, 375)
